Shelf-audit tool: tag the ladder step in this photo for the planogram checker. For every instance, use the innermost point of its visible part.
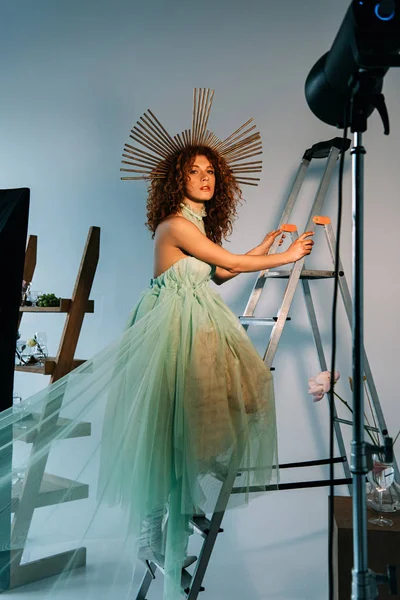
(259, 320)
(201, 525)
(219, 471)
(25, 430)
(290, 486)
(305, 274)
(47, 566)
(53, 490)
(322, 149)
(186, 582)
(305, 463)
(346, 422)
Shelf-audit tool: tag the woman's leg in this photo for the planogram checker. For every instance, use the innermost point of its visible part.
(151, 542)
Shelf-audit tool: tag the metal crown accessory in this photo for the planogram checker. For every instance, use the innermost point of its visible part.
(244, 143)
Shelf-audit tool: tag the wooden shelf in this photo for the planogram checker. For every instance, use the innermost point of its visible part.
(46, 567)
(38, 488)
(23, 434)
(65, 305)
(47, 368)
(53, 490)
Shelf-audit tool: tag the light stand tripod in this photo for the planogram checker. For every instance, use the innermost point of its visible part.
(364, 581)
(366, 46)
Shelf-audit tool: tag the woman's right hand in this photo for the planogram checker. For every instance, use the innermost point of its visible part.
(300, 247)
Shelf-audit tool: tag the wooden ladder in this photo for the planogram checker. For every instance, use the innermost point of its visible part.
(38, 488)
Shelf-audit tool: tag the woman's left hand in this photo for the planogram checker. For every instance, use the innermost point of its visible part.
(270, 238)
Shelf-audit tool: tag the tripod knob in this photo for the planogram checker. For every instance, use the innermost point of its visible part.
(390, 579)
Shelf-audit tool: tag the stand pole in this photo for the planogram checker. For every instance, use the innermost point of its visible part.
(363, 581)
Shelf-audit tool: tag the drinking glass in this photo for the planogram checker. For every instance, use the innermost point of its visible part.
(381, 478)
(33, 296)
(19, 408)
(21, 345)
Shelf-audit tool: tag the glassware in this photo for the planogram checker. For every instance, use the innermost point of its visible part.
(18, 471)
(33, 296)
(17, 399)
(41, 351)
(19, 408)
(17, 474)
(27, 352)
(390, 498)
(20, 348)
(381, 477)
(24, 292)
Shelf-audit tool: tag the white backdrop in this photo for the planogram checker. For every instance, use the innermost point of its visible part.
(74, 77)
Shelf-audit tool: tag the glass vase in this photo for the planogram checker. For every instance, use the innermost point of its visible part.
(390, 498)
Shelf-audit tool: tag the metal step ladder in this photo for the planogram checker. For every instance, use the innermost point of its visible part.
(330, 150)
(210, 528)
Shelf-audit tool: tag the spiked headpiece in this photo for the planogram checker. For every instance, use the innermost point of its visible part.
(237, 149)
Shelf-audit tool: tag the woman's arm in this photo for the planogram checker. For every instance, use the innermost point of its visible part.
(222, 275)
(184, 235)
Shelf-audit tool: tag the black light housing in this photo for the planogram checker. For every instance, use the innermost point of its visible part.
(368, 39)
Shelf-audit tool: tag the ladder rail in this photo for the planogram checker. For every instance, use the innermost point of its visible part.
(324, 367)
(283, 312)
(22, 519)
(347, 301)
(323, 187)
(192, 584)
(333, 155)
(216, 520)
(287, 211)
(291, 286)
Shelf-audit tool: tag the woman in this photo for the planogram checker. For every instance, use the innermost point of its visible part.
(198, 177)
(215, 394)
(181, 398)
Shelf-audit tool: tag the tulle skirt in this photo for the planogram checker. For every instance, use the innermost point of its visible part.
(170, 406)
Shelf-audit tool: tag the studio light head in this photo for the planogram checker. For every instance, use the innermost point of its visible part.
(369, 39)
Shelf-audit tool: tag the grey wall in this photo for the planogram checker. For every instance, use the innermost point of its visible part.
(74, 77)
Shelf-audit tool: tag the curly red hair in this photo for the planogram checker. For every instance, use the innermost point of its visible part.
(166, 194)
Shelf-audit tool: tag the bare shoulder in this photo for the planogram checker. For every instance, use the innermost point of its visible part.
(178, 235)
(174, 224)
(175, 221)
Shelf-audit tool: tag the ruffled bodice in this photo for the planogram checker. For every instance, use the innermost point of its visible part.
(188, 271)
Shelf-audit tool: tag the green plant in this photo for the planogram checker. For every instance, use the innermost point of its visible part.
(46, 300)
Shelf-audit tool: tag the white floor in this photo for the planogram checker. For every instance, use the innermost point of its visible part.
(274, 549)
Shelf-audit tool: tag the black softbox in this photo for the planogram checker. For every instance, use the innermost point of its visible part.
(14, 211)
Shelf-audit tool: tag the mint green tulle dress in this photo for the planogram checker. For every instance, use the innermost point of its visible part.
(172, 402)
